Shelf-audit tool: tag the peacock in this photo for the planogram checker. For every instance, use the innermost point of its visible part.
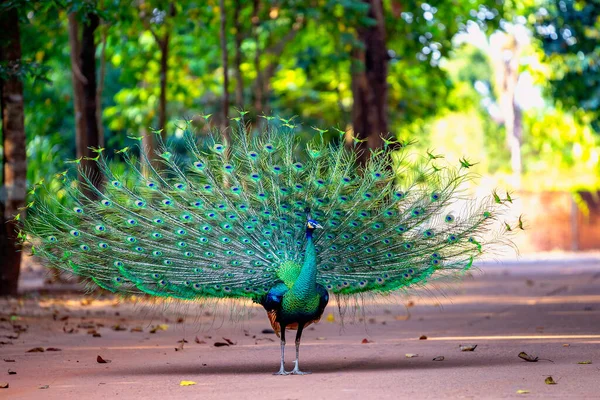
(265, 215)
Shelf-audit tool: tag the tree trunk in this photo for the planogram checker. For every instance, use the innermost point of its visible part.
(369, 84)
(100, 89)
(83, 71)
(506, 65)
(90, 110)
(164, 68)
(224, 58)
(14, 164)
(239, 79)
(258, 86)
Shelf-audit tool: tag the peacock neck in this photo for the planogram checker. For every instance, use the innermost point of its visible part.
(306, 284)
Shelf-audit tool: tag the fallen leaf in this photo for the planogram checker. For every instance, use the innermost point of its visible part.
(268, 331)
(187, 383)
(96, 335)
(221, 344)
(137, 329)
(566, 345)
(65, 330)
(161, 327)
(320, 338)
(402, 317)
(439, 358)
(585, 362)
(410, 355)
(180, 320)
(101, 360)
(266, 338)
(36, 350)
(3, 343)
(118, 328)
(531, 358)
(522, 391)
(8, 360)
(550, 381)
(365, 341)
(467, 347)
(330, 318)
(53, 349)
(422, 337)
(3, 385)
(11, 372)
(44, 387)
(199, 341)
(527, 357)
(229, 341)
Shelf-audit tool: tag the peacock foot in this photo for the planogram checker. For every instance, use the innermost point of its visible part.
(281, 372)
(296, 371)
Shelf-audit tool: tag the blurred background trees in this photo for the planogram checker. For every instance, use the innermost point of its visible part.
(513, 84)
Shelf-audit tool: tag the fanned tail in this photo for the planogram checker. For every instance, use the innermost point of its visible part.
(219, 220)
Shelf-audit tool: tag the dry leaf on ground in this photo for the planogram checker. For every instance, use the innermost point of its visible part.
(36, 350)
(467, 347)
(187, 383)
(221, 344)
(585, 362)
(410, 355)
(365, 341)
(101, 360)
(3, 385)
(550, 381)
(422, 337)
(119, 328)
(522, 391)
(439, 358)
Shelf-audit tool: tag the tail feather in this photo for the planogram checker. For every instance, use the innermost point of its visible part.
(221, 219)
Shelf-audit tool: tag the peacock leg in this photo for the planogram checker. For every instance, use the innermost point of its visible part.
(296, 370)
(282, 369)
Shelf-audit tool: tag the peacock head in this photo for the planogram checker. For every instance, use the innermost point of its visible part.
(311, 224)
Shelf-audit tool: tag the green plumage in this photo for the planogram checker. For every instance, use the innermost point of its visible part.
(228, 220)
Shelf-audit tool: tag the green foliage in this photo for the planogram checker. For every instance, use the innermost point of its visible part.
(570, 34)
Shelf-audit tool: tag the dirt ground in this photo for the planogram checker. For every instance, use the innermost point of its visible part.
(548, 309)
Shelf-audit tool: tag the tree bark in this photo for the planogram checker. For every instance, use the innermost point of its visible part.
(164, 69)
(14, 164)
(224, 58)
(258, 86)
(100, 88)
(369, 84)
(90, 110)
(83, 71)
(239, 79)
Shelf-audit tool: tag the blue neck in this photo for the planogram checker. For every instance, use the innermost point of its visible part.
(306, 284)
